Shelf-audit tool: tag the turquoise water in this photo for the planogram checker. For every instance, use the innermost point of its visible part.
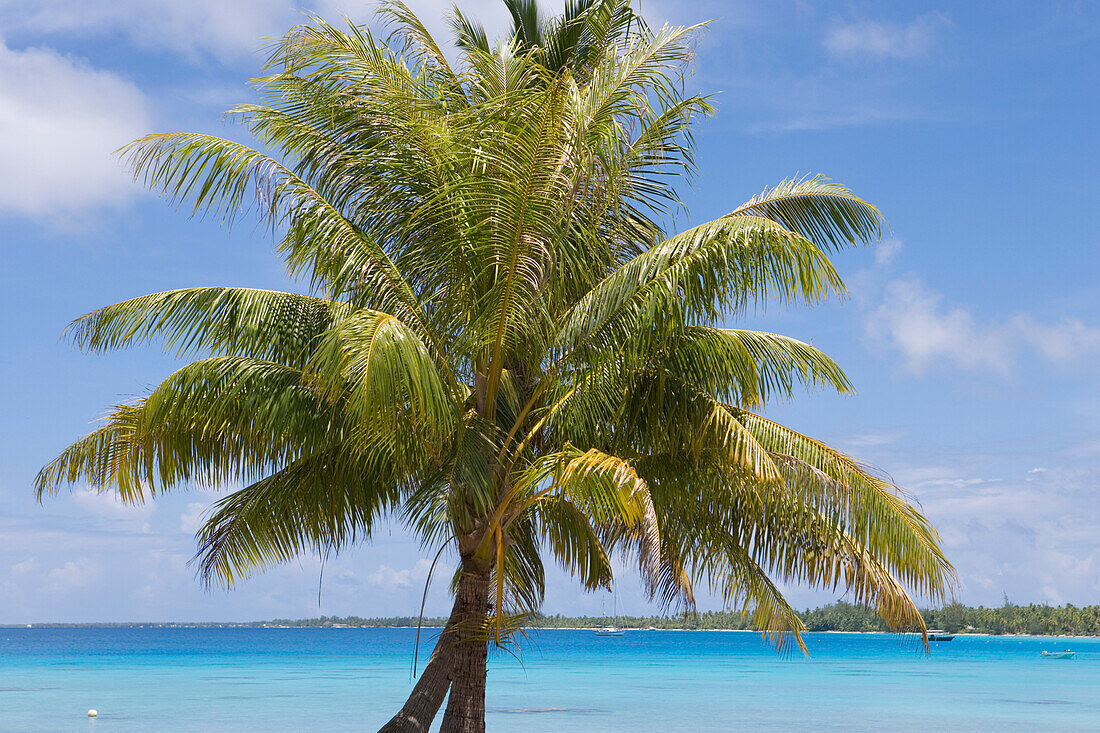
(238, 680)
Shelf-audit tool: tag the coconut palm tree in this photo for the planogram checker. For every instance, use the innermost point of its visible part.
(502, 346)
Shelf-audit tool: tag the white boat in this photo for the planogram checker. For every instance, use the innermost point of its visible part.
(610, 631)
(1067, 654)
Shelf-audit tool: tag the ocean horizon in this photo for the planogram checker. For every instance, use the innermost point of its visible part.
(242, 679)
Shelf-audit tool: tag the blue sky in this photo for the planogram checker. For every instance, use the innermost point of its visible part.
(972, 333)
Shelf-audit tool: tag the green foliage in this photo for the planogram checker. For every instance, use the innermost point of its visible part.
(502, 345)
(1033, 619)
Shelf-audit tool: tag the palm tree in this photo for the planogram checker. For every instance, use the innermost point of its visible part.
(502, 347)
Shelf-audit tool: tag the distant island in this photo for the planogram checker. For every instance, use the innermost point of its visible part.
(1032, 619)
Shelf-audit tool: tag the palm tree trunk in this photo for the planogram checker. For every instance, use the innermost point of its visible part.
(466, 704)
(427, 695)
(461, 636)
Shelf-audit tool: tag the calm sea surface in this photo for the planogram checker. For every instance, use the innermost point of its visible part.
(352, 679)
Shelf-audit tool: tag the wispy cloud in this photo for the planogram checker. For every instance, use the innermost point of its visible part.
(227, 31)
(915, 322)
(192, 519)
(871, 440)
(1030, 534)
(1066, 342)
(389, 577)
(887, 251)
(30, 565)
(223, 29)
(883, 39)
(60, 121)
(109, 506)
(73, 575)
(835, 121)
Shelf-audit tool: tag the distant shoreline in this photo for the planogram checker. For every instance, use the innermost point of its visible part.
(432, 627)
(1033, 620)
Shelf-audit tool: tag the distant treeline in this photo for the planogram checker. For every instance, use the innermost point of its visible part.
(1040, 620)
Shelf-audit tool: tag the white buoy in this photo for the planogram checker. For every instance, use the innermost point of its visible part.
(93, 713)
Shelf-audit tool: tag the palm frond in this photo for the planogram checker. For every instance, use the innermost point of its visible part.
(221, 176)
(870, 508)
(263, 324)
(215, 421)
(383, 375)
(320, 503)
(408, 27)
(604, 488)
(749, 366)
(713, 270)
(824, 212)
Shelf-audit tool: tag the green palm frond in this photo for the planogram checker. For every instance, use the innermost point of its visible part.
(105, 459)
(383, 376)
(216, 420)
(604, 488)
(263, 324)
(874, 512)
(574, 542)
(527, 22)
(756, 364)
(825, 212)
(409, 28)
(712, 270)
(320, 503)
(743, 582)
(221, 176)
(469, 35)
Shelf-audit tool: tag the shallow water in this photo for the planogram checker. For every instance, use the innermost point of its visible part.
(236, 680)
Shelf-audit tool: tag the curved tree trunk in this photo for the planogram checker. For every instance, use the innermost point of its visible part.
(466, 704)
(427, 695)
(461, 634)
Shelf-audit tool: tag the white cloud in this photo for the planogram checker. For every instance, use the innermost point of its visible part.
(1063, 343)
(1085, 449)
(391, 578)
(833, 120)
(226, 30)
(192, 520)
(1031, 533)
(213, 26)
(108, 505)
(871, 440)
(884, 39)
(955, 483)
(73, 575)
(887, 251)
(60, 121)
(27, 566)
(914, 321)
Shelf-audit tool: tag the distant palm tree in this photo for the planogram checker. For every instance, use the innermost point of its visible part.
(503, 348)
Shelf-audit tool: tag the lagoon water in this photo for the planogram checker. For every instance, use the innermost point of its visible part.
(237, 680)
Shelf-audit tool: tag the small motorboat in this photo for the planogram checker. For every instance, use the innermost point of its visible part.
(1067, 654)
(939, 635)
